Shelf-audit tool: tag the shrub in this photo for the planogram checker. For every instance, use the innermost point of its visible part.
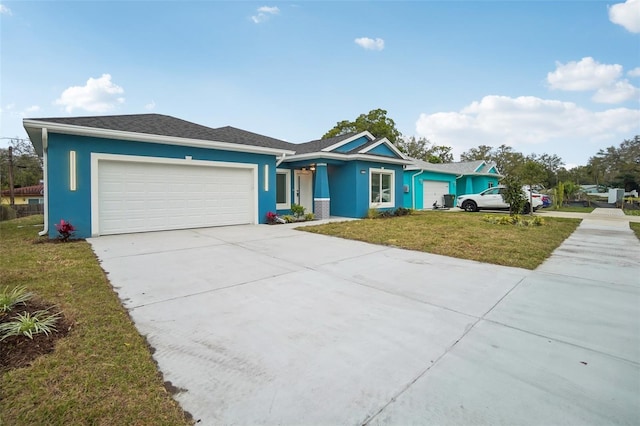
(514, 220)
(297, 210)
(372, 213)
(65, 229)
(309, 216)
(29, 324)
(401, 211)
(288, 218)
(271, 218)
(9, 299)
(385, 213)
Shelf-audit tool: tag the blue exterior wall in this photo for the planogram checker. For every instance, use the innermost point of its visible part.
(352, 145)
(475, 184)
(418, 185)
(75, 206)
(383, 149)
(349, 188)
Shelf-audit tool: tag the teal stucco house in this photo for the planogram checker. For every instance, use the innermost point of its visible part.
(428, 183)
(150, 172)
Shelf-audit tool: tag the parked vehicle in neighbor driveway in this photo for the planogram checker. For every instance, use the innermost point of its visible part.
(491, 199)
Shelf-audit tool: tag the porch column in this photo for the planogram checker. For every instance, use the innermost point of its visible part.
(469, 186)
(321, 198)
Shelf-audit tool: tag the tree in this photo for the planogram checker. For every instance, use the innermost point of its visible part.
(618, 166)
(512, 194)
(375, 122)
(507, 160)
(551, 164)
(531, 173)
(483, 152)
(415, 148)
(27, 166)
(440, 154)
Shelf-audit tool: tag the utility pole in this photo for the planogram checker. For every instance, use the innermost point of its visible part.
(11, 196)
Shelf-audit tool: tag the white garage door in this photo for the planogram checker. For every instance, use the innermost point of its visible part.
(432, 191)
(138, 197)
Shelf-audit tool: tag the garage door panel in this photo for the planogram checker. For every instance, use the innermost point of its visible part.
(137, 197)
(433, 191)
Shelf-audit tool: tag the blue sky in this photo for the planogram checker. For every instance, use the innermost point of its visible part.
(556, 77)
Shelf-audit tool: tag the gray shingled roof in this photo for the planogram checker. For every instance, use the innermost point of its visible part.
(465, 167)
(164, 125)
(319, 144)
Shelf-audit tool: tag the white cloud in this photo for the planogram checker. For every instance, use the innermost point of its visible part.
(98, 95)
(32, 108)
(150, 106)
(620, 91)
(264, 13)
(590, 75)
(526, 120)
(627, 15)
(634, 72)
(587, 74)
(4, 10)
(369, 43)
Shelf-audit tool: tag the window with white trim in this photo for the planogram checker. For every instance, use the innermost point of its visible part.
(381, 188)
(283, 189)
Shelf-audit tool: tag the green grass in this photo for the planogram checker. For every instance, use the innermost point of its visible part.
(573, 209)
(102, 372)
(461, 235)
(629, 212)
(635, 227)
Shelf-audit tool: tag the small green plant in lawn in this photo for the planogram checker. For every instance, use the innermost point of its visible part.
(309, 216)
(9, 299)
(297, 210)
(29, 324)
(513, 220)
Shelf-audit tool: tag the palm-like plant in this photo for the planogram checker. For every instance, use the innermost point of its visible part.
(9, 299)
(28, 324)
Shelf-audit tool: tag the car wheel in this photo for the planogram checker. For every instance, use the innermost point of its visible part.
(469, 206)
(527, 208)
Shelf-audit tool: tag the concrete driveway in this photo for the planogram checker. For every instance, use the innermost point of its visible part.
(269, 325)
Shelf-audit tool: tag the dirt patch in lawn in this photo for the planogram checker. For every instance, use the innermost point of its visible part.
(21, 351)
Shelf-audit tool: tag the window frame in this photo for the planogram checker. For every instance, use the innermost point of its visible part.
(392, 188)
(287, 204)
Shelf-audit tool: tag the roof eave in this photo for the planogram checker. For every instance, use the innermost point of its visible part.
(31, 126)
(345, 157)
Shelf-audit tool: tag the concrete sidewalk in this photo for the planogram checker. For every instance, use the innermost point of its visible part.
(562, 348)
(268, 325)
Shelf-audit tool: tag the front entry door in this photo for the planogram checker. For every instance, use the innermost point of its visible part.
(303, 189)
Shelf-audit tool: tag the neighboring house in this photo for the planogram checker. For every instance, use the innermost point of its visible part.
(148, 172)
(427, 183)
(25, 195)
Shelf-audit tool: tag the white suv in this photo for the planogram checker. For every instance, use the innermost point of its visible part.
(491, 199)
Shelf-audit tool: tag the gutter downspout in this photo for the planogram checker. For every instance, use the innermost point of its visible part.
(281, 159)
(413, 189)
(45, 181)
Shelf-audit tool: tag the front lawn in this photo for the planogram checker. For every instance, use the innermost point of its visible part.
(102, 371)
(461, 235)
(573, 209)
(635, 227)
